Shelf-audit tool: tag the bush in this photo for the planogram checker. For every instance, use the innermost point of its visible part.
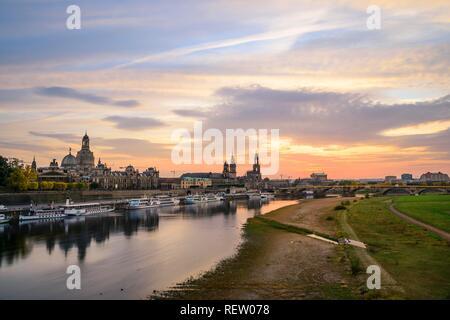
(94, 185)
(33, 186)
(46, 185)
(355, 265)
(340, 207)
(81, 185)
(345, 203)
(60, 186)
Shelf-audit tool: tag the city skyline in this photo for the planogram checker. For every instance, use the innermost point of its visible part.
(349, 101)
(227, 160)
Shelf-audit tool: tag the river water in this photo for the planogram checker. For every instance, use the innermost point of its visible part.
(122, 255)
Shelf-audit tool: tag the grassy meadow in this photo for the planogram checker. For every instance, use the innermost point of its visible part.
(431, 209)
(417, 259)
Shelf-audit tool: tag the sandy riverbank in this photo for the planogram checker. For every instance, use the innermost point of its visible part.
(278, 261)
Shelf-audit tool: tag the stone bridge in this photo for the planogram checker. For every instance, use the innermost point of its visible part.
(348, 190)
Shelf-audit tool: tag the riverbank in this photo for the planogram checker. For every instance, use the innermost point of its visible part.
(278, 261)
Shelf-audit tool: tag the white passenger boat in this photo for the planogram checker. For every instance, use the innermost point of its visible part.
(267, 196)
(43, 213)
(254, 195)
(167, 201)
(203, 199)
(84, 209)
(4, 219)
(141, 203)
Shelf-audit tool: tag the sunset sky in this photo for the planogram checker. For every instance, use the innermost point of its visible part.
(353, 102)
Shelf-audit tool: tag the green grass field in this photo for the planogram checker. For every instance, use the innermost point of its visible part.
(431, 209)
(417, 259)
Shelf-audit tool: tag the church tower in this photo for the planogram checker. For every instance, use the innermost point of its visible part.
(232, 174)
(226, 170)
(256, 166)
(33, 164)
(85, 157)
(85, 142)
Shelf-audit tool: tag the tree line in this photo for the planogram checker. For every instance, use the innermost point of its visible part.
(17, 177)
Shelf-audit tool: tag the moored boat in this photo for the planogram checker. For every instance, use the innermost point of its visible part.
(43, 213)
(167, 201)
(88, 208)
(141, 203)
(4, 218)
(203, 199)
(267, 196)
(253, 195)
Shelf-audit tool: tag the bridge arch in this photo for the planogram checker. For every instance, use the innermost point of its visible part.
(396, 191)
(433, 190)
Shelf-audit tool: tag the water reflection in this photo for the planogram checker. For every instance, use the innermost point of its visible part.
(143, 249)
(16, 240)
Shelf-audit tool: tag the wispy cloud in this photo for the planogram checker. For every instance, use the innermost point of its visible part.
(130, 147)
(65, 137)
(134, 123)
(191, 113)
(226, 43)
(69, 93)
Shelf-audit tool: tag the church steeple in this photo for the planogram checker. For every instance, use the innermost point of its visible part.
(232, 167)
(33, 164)
(256, 166)
(85, 142)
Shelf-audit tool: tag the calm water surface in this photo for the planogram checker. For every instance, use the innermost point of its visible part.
(122, 255)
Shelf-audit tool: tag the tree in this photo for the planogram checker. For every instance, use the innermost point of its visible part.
(17, 180)
(30, 174)
(5, 171)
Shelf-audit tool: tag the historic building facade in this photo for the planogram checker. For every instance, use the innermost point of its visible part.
(227, 178)
(434, 177)
(82, 168)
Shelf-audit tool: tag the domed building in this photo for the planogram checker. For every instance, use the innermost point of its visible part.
(82, 168)
(85, 157)
(69, 161)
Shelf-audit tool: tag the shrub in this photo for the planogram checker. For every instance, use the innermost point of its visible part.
(60, 186)
(340, 207)
(94, 185)
(355, 265)
(46, 185)
(33, 186)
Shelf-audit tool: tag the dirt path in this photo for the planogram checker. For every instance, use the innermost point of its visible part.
(442, 233)
(386, 279)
